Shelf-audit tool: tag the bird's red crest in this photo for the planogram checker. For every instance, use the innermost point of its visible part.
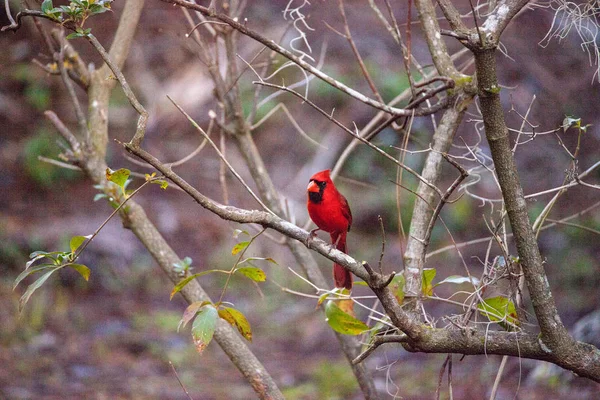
(321, 176)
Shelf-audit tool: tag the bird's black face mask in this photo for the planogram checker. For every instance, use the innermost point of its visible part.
(317, 197)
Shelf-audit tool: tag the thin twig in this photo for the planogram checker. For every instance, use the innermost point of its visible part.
(292, 57)
(59, 58)
(14, 26)
(441, 377)
(382, 243)
(116, 210)
(352, 133)
(179, 380)
(498, 376)
(8, 14)
(378, 341)
(223, 170)
(143, 119)
(509, 235)
(445, 197)
(64, 131)
(216, 148)
(357, 55)
(61, 164)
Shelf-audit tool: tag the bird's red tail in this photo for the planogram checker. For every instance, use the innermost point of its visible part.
(341, 276)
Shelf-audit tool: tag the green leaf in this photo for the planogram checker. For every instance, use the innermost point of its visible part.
(322, 298)
(47, 6)
(30, 271)
(82, 269)
(204, 327)
(119, 176)
(55, 14)
(237, 319)
(427, 285)
(74, 35)
(33, 287)
(102, 10)
(55, 256)
(187, 280)
(97, 9)
(256, 274)
(77, 241)
(181, 285)
(499, 309)
(190, 312)
(163, 184)
(239, 247)
(342, 322)
(60, 259)
(457, 279)
(38, 253)
(397, 287)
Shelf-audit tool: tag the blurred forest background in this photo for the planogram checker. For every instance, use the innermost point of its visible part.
(113, 337)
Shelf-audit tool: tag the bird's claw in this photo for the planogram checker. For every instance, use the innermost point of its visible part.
(311, 236)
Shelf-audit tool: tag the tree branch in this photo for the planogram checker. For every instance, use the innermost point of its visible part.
(554, 334)
(290, 56)
(414, 256)
(584, 361)
(93, 162)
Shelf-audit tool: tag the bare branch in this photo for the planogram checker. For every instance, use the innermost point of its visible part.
(221, 156)
(352, 133)
(143, 119)
(554, 333)
(357, 55)
(289, 55)
(59, 58)
(64, 131)
(252, 217)
(14, 26)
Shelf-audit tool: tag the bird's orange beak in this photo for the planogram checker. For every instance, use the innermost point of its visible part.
(313, 187)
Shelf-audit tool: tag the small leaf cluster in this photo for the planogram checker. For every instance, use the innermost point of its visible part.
(121, 181)
(120, 178)
(206, 315)
(497, 309)
(341, 319)
(252, 272)
(153, 179)
(77, 12)
(183, 267)
(501, 310)
(339, 312)
(49, 263)
(574, 122)
(113, 193)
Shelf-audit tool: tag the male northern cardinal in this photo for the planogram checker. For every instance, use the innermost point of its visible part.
(329, 210)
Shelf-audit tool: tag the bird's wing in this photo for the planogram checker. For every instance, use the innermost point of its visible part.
(346, 210)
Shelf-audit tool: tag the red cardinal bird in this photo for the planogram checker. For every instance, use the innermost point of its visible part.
(329, 210)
